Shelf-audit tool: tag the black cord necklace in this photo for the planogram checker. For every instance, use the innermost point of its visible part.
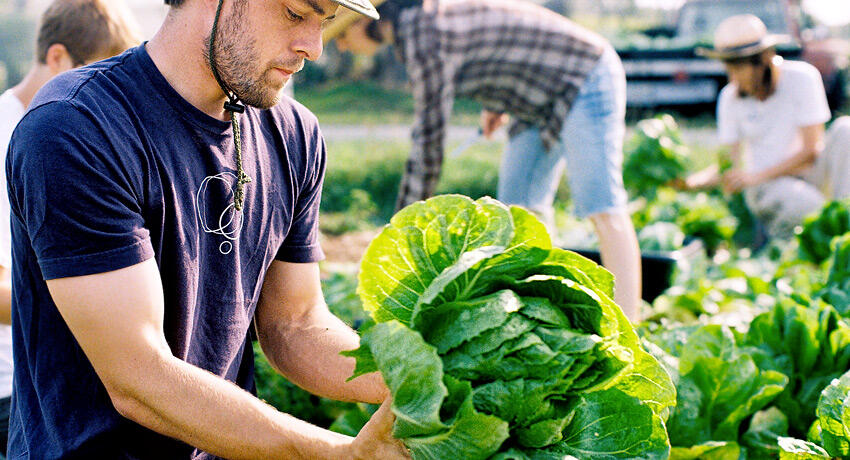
(234, 106)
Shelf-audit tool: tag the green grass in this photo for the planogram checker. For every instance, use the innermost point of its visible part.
(363, 102)
(375, 167)
(366, 103)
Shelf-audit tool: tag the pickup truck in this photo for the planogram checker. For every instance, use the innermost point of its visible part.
(662, 68)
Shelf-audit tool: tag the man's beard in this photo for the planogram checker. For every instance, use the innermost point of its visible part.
(236, 60)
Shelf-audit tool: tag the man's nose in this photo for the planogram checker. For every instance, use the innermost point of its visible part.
(309, 42)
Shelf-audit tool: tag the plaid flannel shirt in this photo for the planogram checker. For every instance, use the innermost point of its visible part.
(511, 56)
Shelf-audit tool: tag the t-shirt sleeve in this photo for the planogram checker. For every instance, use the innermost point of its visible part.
(7, 125)
(75, 194)
(302, 242)
(811, 106)
(727, 123)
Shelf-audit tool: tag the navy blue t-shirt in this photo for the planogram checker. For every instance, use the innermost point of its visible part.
(109, 168)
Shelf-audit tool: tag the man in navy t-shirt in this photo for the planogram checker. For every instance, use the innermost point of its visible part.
(149, 229)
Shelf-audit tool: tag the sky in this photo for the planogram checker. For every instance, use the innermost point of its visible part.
(829, 12)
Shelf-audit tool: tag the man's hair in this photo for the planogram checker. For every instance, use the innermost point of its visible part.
(767, 76)
(87, 28)
(390, 11)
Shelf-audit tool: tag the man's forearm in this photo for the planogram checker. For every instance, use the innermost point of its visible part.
(185, 402)
(792, 165)
(307, 353)
(5, 296)
(705, 178)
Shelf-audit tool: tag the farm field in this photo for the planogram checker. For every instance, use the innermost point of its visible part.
(746, 350)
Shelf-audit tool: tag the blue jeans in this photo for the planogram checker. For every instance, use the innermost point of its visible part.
(591, 149)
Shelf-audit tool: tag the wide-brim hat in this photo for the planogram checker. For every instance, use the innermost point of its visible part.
(741, 36)
(346, 17)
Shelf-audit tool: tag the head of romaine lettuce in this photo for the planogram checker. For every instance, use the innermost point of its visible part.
(494, 344)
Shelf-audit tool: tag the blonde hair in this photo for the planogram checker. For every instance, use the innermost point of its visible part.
(87, 28)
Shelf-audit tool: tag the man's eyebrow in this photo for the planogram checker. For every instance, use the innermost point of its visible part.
(316, 7)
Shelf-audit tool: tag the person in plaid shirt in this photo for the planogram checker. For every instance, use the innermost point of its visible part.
(563, 86)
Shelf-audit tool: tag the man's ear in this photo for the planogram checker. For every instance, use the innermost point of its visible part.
(58, 59)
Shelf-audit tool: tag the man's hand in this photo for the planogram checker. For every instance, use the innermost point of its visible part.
(492, 121)
(376, 438)
(736, 180)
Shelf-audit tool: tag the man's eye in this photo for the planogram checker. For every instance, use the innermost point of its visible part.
(293, 16)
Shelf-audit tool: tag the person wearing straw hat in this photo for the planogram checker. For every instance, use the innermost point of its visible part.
(164, 202)
(772, 115)
(564, 87)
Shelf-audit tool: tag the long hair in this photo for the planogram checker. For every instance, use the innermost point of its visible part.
(766, 73)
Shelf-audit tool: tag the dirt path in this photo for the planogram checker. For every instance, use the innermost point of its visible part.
(692, 136)
(342, 251)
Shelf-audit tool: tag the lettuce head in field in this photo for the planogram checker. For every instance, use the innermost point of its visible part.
(495, 345)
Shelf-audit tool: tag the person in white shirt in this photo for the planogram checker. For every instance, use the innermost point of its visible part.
(772, 115)
(72, 33)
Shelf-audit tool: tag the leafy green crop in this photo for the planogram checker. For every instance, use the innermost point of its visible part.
(719, 386)
(834, 416)
(820, 228)
(795, 449)
(698, 215)
(808, 343)
(837, 289)
(655, 155)
(494, 344)
(707, 218)
(830, 436)
(661, 236)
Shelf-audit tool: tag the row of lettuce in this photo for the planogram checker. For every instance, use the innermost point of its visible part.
(495, 344)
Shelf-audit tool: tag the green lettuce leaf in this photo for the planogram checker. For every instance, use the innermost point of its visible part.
(795, 449)
(470, 434)
(765, 428)
(420, 242)
(810, 344)
(834, 416)
(718, 388)
(454, 323)
(712, 450)
(613, 425)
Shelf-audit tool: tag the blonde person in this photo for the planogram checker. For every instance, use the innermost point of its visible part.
(772, 115)
(162, 201)
(71, 33)
(563, 86)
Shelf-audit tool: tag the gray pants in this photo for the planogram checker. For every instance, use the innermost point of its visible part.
(782, 203)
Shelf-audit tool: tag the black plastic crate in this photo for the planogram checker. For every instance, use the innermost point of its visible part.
(657, 268)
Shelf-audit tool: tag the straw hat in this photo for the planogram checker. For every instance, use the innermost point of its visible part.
(346, 17)
(741, 36)
(360, 6)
